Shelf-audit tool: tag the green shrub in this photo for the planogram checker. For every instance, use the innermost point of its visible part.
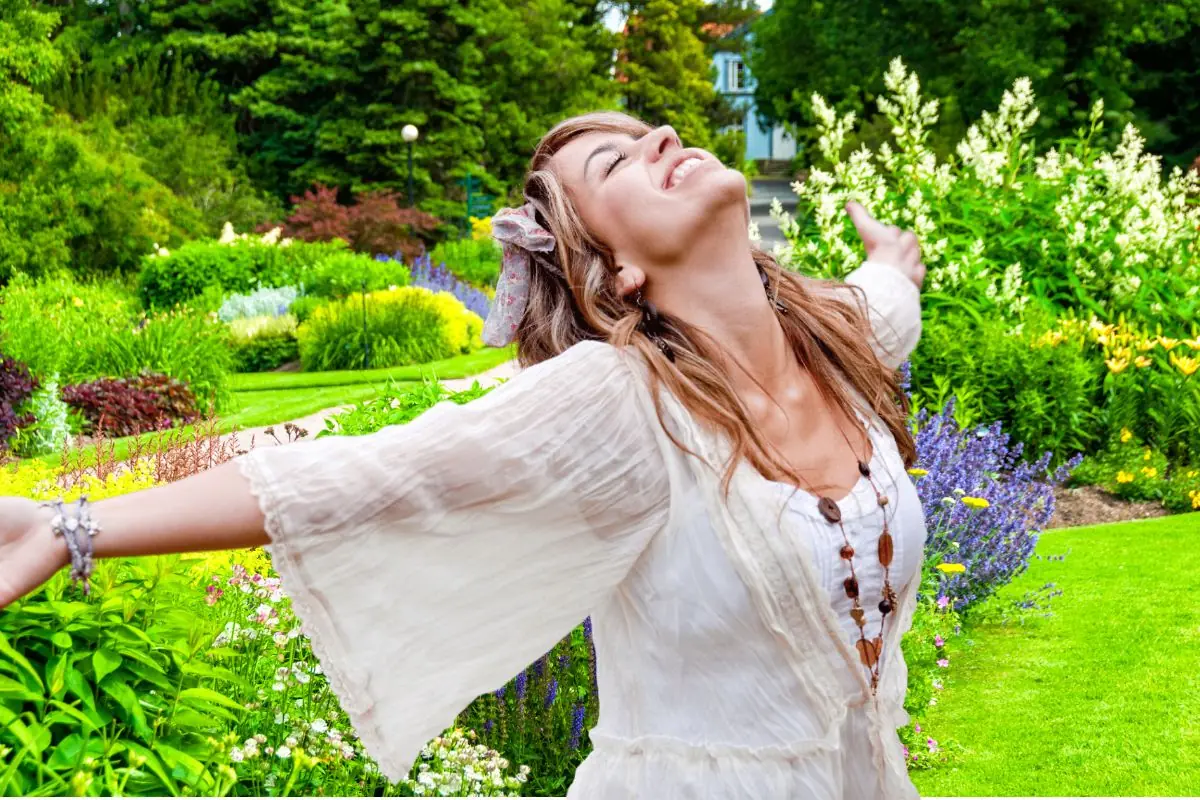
(302, 307)
(241, 265)
(85, 331)
(403, 326)
(343, 274)
(261, 344)
(56, 324)
(1046, 397)
(476, 261)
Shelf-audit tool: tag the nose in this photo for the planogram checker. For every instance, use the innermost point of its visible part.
(660, 141)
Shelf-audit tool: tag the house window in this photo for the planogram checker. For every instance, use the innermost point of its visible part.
(737, 78)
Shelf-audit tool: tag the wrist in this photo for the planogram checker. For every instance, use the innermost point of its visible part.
(55, 544)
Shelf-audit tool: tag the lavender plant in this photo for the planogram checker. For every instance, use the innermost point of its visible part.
(439, 279)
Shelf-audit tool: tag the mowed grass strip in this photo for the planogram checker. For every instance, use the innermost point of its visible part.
(1102, 698)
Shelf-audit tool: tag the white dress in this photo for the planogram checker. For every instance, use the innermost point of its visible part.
(431, 562)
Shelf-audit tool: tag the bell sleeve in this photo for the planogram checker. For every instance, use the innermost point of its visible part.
(894, 309)
(430, 562)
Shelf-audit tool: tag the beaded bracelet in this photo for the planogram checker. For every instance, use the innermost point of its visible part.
(70, 527)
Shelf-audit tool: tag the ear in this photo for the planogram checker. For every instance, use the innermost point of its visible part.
(629, 280)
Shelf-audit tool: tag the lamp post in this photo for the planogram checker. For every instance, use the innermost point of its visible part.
(410, 134)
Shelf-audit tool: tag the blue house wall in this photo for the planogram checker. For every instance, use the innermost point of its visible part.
(770, 143)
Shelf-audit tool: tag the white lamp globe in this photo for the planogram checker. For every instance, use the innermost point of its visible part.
(409, 133)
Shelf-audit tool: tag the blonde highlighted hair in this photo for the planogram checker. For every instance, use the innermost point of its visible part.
(573, 297)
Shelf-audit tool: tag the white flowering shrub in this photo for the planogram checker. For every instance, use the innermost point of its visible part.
(455, 765)
(262, 302)
(1000, 225)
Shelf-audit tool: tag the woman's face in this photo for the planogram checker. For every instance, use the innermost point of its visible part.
(651, 200)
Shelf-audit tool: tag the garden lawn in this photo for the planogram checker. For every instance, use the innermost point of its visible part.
(447, 369)
(1102, 698)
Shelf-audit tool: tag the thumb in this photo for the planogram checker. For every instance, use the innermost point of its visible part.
(870, 230)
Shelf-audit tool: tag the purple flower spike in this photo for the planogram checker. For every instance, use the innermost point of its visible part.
(577, 726)
(551, 692)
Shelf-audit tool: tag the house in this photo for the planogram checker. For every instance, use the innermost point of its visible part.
(770, 143)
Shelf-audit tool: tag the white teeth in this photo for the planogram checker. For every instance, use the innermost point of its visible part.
(685, 166)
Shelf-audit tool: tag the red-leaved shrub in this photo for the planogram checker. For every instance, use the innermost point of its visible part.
(375, 223)
(129, 406)
(16, 386)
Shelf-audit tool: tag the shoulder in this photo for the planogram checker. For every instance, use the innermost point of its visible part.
(591, 363)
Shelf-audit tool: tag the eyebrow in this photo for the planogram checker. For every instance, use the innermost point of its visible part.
(607, 147)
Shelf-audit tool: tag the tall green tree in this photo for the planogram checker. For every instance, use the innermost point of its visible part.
(665, 71)
(1141, 57)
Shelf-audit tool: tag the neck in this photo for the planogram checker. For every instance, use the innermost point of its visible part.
(718, 289)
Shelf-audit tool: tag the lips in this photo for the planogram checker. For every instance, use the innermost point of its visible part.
(684, 164)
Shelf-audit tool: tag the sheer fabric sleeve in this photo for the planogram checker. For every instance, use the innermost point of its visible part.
(894, 308)
(431, 562)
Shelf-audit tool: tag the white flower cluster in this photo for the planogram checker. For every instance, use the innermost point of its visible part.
(453, 765)
(1107, 217)
(273, 237)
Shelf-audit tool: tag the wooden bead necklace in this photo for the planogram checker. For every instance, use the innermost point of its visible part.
(870, 651)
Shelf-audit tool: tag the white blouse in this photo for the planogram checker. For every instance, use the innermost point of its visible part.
(431, 562)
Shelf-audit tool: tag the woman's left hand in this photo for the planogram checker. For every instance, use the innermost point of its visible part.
(888, 244)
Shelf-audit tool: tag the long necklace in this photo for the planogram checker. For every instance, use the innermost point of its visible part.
(870, 651)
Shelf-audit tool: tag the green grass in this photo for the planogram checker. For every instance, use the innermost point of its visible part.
(1100, 699)
(256, 409)
(447, 369)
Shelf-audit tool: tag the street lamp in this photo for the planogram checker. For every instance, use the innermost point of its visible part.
(410, 134)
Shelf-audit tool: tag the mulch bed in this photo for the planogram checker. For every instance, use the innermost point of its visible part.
(1089, 505)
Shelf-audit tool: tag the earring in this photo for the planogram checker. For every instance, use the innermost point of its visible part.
(651, 325)
(779, 306)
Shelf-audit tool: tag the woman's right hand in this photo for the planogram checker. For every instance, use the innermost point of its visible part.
(30, 553)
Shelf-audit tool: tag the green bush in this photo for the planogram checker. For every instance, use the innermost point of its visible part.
(403, 326)
(1046, 397)
(302, 307)
(241, 265)
(85, 331)
(261, 344)
(343, 274)
(476, 261)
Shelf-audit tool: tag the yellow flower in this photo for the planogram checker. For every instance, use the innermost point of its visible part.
(1116, 366)
(1167, 343)
(1150, 472)
(948, 568)
(1192, 343)
(1126, 434)
(1191, 473)
(1195, 495)
(77, 302)
(1185, 364)
(975, 502)
(1142, 361)
(1124, 477)
(1146, 455)
(916, 472)
(1148, 344)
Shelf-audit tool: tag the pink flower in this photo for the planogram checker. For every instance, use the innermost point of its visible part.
(213, 594)
(933, 745)
(943, 662)
(938, 641)
(917, 727)
(943, 601)
(906, 752)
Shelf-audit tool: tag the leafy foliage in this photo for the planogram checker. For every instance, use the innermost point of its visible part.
(17, 385)
(261, 344)
(129, 406)
(374, 223)
(391, 328)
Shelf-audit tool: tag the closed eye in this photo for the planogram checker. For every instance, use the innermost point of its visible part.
(613, 164)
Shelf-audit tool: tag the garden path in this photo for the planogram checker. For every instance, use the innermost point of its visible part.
(316, 422)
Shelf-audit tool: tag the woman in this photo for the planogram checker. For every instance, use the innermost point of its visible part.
(657, 466)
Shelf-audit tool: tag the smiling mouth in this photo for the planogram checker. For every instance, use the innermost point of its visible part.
(681, 171)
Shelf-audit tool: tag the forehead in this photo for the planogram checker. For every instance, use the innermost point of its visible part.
(570, 160)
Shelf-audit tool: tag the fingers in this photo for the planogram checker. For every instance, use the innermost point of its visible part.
(870, 230)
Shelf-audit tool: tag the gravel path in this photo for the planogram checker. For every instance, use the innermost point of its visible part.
(316, 422)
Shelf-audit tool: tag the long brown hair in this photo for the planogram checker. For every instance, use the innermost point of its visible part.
(573, 297)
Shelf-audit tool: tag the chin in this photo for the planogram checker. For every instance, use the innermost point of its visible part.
(723, 187)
